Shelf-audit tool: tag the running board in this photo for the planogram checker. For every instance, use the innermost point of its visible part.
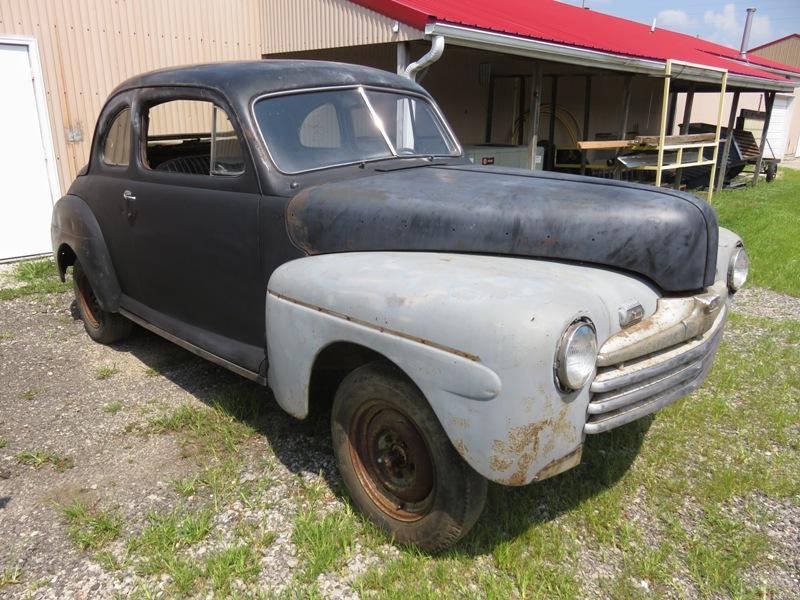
(251, 375)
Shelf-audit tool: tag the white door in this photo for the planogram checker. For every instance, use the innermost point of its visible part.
(26, 200)
(778, 133)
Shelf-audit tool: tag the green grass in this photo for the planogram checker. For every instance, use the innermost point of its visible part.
(112, 408)
(40, 458)
(165, 534)
(767, 217)
(35, 277)
(105, 372)
(217, 430)
(161, 549)
(3, 442)
(10, 575)
(223, 567)
(323, 541)
(89, 528)
(27, 395)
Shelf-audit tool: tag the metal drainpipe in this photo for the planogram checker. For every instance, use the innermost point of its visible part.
(434, 54)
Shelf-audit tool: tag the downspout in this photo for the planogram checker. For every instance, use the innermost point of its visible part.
(434, 54)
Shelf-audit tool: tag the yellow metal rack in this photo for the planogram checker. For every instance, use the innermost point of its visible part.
(663, 145)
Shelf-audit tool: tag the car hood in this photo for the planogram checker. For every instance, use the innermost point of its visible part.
(666, 236)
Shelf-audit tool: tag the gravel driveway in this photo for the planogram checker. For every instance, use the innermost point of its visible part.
(87, 412)
(61, 393)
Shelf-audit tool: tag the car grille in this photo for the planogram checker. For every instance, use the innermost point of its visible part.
(626, 392)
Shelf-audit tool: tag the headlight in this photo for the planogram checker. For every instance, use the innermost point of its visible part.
(737, 270)
(577, 355)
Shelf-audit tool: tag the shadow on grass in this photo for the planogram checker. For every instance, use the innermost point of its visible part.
(305, 446)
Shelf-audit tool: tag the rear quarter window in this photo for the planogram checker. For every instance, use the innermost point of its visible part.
(117, 144)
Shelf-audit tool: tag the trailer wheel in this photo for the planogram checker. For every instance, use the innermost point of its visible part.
(398, 464)
(772, 171)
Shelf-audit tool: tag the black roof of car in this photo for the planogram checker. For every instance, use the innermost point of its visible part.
(244, 79)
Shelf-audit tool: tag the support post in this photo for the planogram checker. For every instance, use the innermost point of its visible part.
(551, 134)
(535, 112)
(687, 110)
(667, 112)
(587, 107)
(673, 109)
(626, 109)
(489, 111)
(770, 100)
(726, 148)
(687, 119)
(715, 155)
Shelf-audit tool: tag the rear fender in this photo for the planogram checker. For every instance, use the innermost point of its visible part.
(76, 234)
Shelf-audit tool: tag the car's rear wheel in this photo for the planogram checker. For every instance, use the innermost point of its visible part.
(398, 464)
(102, 326)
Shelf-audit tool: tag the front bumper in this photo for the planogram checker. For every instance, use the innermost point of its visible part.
(640, 385)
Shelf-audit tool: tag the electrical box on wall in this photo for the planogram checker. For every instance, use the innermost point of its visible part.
(499, 155)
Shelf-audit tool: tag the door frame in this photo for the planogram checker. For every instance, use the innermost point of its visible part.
(41, 108)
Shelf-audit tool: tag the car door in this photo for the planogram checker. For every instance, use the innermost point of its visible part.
(195, 224)
(104, 189)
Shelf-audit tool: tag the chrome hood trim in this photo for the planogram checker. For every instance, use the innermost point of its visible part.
(675, 320)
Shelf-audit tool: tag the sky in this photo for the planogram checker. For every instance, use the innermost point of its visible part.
(714, 20)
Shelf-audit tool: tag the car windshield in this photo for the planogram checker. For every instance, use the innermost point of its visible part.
(314, 130)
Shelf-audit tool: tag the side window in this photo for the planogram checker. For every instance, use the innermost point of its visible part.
(192, 137)
(117, 145)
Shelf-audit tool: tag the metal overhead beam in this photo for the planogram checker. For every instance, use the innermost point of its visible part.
(520, 46)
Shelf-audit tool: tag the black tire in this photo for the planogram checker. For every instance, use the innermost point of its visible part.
(398, 464)
(102, 326)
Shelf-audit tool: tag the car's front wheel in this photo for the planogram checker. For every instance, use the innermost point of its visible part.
(397, 462)
(102, 326)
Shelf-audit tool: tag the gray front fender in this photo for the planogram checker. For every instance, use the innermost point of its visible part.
(476, 334)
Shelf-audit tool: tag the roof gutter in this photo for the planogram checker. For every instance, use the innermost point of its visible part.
(434, 54)
(521, 46)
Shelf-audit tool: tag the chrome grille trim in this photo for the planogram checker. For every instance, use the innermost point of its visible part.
(624, 393)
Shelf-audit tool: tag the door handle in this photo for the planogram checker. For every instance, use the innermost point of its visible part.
(129, 198)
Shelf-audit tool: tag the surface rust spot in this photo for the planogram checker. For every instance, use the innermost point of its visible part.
(461, 448)
(522, 444)
(460, 422)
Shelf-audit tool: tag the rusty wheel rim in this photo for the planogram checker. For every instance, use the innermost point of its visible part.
(392, 461)
(88, 301)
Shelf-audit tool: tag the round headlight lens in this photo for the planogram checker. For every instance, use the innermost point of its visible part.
(577, 355)
(737, 271)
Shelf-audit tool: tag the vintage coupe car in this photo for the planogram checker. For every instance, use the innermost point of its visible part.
(306, 224)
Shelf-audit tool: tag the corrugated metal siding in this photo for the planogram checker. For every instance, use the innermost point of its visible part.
(295, 25)
(785, 51)
(87, 47)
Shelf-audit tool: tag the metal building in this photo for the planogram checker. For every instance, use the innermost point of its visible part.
(61, 59)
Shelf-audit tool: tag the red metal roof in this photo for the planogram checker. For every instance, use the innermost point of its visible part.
(551, 21)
